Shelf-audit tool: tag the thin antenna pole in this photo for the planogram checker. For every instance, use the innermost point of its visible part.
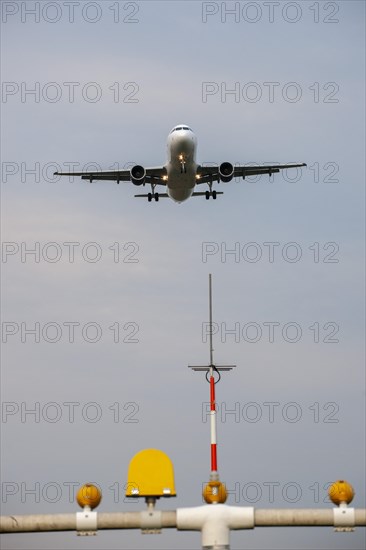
(210, 318)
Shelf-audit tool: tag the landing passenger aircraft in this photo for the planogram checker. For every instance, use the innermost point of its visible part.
(181, 173)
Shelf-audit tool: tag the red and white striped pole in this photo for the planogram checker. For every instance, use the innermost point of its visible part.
(214, 473)
(213, 426)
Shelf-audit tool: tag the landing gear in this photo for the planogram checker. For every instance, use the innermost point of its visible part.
(183, 169)
(210, 193)
(153, 195)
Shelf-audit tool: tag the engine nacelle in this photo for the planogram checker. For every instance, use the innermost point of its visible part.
(226, 172)
(138, 174)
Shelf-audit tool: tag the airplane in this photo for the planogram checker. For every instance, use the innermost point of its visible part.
(180, 175)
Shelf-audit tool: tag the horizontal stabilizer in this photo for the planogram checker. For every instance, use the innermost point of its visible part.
(161, 195)
(203, 193)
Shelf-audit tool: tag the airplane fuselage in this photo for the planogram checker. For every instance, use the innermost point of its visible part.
(181, 166)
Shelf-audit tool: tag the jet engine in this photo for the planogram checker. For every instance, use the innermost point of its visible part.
(226, 172)
(138, 174)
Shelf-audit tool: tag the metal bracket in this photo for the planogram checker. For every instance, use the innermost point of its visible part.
(344, 518)
(86, 523)
(151, 522)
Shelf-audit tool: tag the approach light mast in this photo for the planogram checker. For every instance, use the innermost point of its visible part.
(215, 486)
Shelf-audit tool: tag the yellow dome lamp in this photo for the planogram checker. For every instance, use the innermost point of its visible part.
(341, 494)
(88, 497)
(150, 475)
(214, 492)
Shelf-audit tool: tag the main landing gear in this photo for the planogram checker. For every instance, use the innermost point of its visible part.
(210, 193)
(151, 196)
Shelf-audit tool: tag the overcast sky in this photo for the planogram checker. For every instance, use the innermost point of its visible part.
(116, 292)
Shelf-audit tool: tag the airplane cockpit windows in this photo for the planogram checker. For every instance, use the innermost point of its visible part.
(177, 128)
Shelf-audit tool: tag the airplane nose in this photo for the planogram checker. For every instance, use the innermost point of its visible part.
(186, 144)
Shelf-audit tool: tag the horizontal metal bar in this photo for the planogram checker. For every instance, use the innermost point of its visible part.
(217, 367)
(302, 517)
(134, 520)
(67, 522)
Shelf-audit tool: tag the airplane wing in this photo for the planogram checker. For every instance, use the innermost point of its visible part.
(154, 175)
(209, 174)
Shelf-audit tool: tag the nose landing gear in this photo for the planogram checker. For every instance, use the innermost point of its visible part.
(183, 169)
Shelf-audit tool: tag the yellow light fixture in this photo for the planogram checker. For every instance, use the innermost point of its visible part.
(89, 495)
(150, 474)
(341, 492)
(214, 492)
